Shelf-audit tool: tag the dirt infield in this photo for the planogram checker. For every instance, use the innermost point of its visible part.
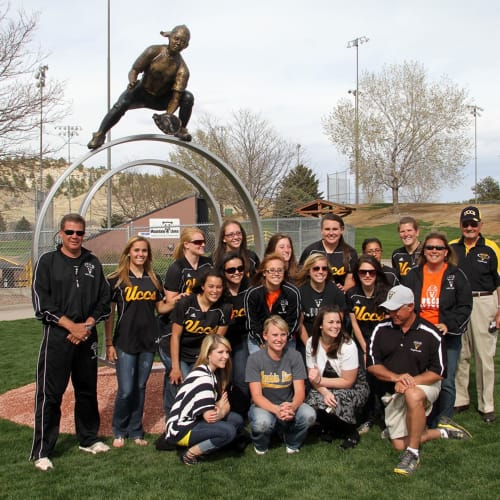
(17, 405)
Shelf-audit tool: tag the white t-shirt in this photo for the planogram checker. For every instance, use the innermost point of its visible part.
(347, 358)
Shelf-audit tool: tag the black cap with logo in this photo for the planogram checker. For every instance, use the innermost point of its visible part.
(470, 213)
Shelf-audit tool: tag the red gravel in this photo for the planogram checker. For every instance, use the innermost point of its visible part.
(17, 405)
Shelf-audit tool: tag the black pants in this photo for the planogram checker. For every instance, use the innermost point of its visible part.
(137, 98)
(57, 361)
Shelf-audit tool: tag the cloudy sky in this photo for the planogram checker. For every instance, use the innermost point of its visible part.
(285, 59)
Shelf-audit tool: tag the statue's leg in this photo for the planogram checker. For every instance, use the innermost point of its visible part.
(126, 101)
(185, 109)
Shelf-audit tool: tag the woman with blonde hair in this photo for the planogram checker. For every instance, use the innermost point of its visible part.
(137, 294)
(316, 287)
(201, 418)
(182, 275)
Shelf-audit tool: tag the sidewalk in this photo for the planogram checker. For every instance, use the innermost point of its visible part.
(15, 303)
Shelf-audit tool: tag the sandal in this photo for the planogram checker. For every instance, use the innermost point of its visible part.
(189, 459)
(119, 442)
(140, 442)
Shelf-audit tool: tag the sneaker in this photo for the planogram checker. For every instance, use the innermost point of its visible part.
(43, 464)
(408, 463)
(98, 447)
(488, 417)
(291, 451)
(453, 430)
(365, 427)
(350, 441)
(259, 452)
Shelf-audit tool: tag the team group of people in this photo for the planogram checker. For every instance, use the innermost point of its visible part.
(331, 342)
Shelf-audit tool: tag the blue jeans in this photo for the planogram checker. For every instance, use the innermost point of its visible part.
(169, 389)
(211, 437)
(263, 424)
(132, 372)
(444, 405)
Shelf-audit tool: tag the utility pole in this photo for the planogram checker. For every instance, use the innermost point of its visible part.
(475, 112)
(355, 43)
(69, 131)
(39, 194)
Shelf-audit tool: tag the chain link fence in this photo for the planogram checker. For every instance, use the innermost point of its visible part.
(16, 267)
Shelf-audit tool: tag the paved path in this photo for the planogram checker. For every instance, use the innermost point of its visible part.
(19, 311)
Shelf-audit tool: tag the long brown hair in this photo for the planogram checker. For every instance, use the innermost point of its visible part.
(258, 279)
(342, 337)
(292, 269)
(220, 249)
(346, 250)
(123, 269)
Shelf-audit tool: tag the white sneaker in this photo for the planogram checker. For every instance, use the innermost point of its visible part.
(291, 451)
(98, 447)
(43, 464)
(259, 452)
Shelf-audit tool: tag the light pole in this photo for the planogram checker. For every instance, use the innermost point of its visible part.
(69, 131)
(475, 112)
(355, 43)
(40, 76)
(298, 154)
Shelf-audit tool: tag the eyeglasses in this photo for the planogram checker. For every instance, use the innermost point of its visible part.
(434, 247)
(198, 243)
(71, 232)
(319, 268)
(471, 223)
(275, 271)
(367, 272)
(234, 234)
(234, 270)
(375, 250)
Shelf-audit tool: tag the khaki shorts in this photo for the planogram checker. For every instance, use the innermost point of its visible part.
(395, 411)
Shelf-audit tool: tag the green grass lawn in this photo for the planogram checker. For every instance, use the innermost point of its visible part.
(389, 236)
(448, 470)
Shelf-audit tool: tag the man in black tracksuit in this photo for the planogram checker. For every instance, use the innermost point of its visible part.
(70, 295)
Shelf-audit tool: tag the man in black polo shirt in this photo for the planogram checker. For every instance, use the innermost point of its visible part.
(479, 259)
(408, 358)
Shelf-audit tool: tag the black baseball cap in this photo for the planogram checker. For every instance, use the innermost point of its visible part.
(470, 213)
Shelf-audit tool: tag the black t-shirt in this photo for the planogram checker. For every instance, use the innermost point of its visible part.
(197, 323)
(311, 301)
(136, 327)
(236, 333)
(335, 259)
(181, 277)
(364, 310)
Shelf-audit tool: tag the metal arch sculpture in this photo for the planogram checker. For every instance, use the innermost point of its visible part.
(225, 169)
(157, 163)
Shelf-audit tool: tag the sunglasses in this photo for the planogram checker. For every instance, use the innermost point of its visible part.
(471, 223)
(198, 243)
(71, 232)
(367, 272)
(320, 268)
(234, 270)
(435, 247)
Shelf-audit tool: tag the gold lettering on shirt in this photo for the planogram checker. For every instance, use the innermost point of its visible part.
(133, 293)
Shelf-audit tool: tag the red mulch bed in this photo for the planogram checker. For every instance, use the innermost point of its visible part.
(17, 405)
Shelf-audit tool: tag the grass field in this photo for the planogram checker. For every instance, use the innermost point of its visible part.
(449, 469)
